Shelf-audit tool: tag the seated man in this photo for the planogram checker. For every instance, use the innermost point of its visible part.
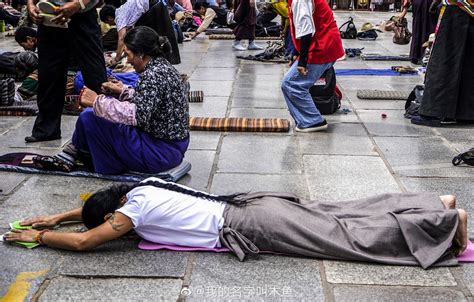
(211, 13)
(26, 37)
(9, 14)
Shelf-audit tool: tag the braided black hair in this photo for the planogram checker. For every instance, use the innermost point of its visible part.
(108, 200)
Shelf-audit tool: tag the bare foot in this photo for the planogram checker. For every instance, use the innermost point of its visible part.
(460, 238)
(449, 201)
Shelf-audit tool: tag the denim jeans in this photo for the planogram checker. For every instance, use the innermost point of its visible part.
(295, 88)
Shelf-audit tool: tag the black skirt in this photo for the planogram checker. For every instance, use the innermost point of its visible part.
(449, 89)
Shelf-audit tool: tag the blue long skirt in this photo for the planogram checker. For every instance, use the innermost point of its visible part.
(117, 148)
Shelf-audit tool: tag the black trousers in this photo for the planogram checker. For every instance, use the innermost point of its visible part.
(82, 41)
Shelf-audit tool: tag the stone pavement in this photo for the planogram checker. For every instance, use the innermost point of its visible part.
(360, 155)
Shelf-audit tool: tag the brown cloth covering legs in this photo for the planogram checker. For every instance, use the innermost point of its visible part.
(239, 124)
(400, 229)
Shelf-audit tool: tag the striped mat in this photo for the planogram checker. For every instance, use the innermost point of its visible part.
(382, 95)
(196, 96)
(232, 37)
(219, 31)
(239, 124)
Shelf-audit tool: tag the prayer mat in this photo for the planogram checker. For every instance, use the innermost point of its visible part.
(16, 162)
(72, 105)
(467, 256)
(379, 57)
(232, 37)
(368, 94)
(239, 124)
(261, 59)
(219, 31)
(367, 72)
(196, 96)
(21, 110)
(6, 75)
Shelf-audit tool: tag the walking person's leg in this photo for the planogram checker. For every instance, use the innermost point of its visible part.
(53, 49)
(88, 49)
(295, 88)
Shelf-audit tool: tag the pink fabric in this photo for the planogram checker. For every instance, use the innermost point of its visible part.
(467, 256)
(114, 110)
(186, 4)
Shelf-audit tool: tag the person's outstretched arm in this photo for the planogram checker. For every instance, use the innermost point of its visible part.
(47, 221)
(210, 15)
(115, 226)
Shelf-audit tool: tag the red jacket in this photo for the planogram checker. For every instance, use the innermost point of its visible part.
(326, 45)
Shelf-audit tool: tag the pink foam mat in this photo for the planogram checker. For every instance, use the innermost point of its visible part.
(467, 256)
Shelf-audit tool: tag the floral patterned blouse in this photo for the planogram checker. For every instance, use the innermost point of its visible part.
(157, 105)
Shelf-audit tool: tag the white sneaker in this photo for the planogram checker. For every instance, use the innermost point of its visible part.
(253, 46)
(238, 46)
(315, 128)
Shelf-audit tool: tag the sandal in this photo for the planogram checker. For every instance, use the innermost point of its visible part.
(51, 163)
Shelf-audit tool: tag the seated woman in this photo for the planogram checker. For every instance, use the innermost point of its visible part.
(402, 229)
(145, 129)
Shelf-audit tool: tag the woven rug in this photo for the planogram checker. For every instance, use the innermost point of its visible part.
(12, 162)
(232, 37)
(239, 124)
(379, 57)
(368, 94)
(219, 31)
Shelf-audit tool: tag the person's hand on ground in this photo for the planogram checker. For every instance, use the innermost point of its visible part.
(41, 222)
(21, 235)
(302, 70)
(65, 12)
(87, 97)
(114, 87)
(191, 35)
(34, 12)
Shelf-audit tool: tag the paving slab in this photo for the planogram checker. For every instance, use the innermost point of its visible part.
(122, 258)
(460, 187)
(466, 272)
(204, 140)
(388, 294)
(247, 153)
(357, 177)
(341, 116)
(374, 274)
(32, 266)
(256, 95)
(44, 194)
(461, 138)
(16, 137)
(261, 69)
(229, 183)
(393, 125)
(420, 156)
(267, 278)
(10, 181)
(213, 74)
(11, 122)
(261, 113)
(113, 289)
(211, 107)
(339, 139)
(202, 162)
(212, 88)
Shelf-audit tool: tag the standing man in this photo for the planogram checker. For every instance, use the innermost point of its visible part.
(317, 39)
(82, 39)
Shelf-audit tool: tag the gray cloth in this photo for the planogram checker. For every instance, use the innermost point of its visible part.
(401, 229)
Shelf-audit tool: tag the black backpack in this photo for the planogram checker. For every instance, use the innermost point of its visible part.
(413, 103)
(350, 32)
(325, 94)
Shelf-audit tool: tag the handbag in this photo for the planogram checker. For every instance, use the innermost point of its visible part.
(466, 157)
(230, 18)
(350, 32)
(402, 35)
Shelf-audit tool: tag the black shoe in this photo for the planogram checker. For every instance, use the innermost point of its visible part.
(424, 120)
(314, 128)
(34, 139)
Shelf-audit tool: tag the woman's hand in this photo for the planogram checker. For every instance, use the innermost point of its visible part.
(87, 97)
(65, 11)
(34, 12)
(114, 87)
(41, 222)
(21, 235)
